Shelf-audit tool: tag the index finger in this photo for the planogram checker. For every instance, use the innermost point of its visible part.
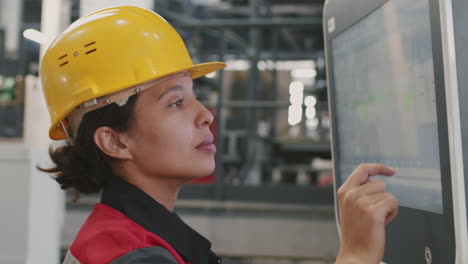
(364, 171)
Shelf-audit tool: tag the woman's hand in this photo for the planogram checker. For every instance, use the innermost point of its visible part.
(365, 209)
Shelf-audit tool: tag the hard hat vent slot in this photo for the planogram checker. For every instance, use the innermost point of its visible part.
(63, 57)
(91, 51)
(89, 44)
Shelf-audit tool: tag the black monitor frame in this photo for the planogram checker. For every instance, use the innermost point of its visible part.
(413, 231)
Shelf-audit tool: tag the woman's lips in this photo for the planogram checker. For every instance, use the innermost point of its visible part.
(207, 145)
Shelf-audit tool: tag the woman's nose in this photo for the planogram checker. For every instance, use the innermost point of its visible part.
(204, 117)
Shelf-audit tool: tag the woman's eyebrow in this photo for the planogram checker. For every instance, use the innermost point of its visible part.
(170, 90)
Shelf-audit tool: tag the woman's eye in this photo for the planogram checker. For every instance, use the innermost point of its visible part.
(177, 103)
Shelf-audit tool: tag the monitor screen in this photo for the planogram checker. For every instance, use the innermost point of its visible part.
(385, 105)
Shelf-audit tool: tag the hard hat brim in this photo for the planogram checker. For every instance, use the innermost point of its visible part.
(202, 69)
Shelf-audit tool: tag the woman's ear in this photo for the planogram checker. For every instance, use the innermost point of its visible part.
(112, 143)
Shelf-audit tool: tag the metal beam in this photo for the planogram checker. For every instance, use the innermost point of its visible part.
(2, 51)
(261, 104)
(221, 121)
(250, 23)
(281, 193)
(264, 55)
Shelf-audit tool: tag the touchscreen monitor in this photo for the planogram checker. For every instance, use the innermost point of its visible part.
(385, 103)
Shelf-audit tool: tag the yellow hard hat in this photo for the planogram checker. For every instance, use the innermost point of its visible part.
(109, 51)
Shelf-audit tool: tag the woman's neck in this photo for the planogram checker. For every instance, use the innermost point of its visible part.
(163, 191)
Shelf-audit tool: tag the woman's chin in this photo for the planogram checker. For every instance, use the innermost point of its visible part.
(206, 173)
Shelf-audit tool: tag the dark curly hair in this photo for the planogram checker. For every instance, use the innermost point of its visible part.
(81, 166)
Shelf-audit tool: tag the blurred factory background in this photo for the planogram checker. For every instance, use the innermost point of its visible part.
(270, 199)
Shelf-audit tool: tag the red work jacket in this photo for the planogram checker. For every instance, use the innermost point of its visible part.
(128, 226)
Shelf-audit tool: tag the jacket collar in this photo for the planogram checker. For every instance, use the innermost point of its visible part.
(151, 215)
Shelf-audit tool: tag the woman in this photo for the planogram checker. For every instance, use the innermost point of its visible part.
(118, 85)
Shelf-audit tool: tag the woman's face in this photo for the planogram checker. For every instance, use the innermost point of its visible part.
(170, 135)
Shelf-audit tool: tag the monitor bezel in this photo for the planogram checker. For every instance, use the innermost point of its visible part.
(413, 230)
